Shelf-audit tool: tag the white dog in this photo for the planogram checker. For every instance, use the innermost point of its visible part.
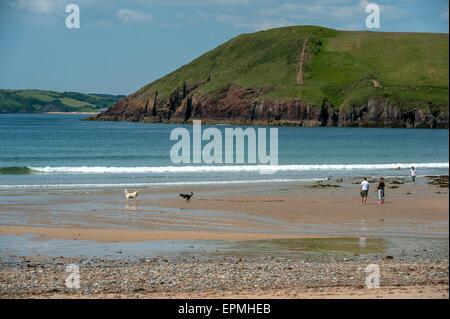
(131, 195)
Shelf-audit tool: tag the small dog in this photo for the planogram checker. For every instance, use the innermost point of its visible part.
(131, 195)
(187, 197)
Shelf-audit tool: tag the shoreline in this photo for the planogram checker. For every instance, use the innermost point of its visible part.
(280, 123)
(238, 122)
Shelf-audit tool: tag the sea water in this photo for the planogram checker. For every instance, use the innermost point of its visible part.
(58, 151)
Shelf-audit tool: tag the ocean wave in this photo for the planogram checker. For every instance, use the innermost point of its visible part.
(14, 170)
(231, 168)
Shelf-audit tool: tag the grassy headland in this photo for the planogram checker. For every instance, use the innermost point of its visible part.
(304, 75)
(39, 101)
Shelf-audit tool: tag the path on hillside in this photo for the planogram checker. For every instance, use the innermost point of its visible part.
(300, 64)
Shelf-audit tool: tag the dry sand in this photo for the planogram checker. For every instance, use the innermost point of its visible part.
(410, 292)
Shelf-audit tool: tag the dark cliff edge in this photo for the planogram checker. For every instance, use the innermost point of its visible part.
(307, 83)
(237, 105)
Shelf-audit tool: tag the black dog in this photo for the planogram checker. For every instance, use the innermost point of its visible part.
(187, 197)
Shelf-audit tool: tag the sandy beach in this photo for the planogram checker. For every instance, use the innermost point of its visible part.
(292, 210)
(224, 230)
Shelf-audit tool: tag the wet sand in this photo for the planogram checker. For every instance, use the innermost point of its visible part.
(227, 213)
(124, 235)
(412, 226)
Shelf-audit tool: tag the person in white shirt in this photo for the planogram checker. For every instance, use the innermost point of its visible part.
(413, 175)
(364, 191)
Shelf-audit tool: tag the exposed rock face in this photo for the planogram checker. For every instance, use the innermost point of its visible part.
(237, 105)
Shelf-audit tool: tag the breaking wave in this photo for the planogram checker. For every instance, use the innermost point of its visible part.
(118, 185)
(230, 168)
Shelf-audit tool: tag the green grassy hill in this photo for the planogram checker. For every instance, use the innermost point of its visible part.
(346, 69)
(37, 101)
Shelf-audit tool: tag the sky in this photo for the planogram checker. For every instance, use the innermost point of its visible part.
(122, 45)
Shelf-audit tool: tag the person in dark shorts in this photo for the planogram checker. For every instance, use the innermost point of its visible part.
(380, 190)
(413, 175)
(364, 191)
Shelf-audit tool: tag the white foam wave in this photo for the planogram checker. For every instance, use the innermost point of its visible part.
(168, 184)
(231, 168)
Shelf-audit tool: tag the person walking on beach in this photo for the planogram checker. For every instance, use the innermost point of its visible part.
(364, 191)
(380, 190)
(413, 175)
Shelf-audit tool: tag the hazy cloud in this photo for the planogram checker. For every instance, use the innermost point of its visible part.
(444, 13)
(209, 3)
(330, 9)
(131, 16)
(38, 6)
(345, 13)
(242, 22)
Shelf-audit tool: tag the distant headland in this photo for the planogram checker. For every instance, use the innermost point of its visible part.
(42, 101)
(305, 76)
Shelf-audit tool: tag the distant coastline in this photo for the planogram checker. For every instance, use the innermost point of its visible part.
(34, 101)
